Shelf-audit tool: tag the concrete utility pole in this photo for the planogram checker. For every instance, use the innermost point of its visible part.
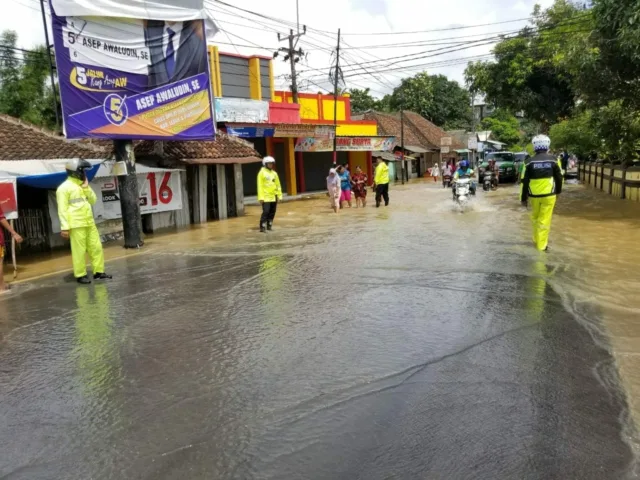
(336, 77)
(53, 83)
(129, 196)
(292, 56)
(402, 165)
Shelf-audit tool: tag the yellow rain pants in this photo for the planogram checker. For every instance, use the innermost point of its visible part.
(86, 240)
(541, 213)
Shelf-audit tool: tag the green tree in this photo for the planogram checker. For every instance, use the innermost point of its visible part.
(440, 100)
(504, 127)
(535, 71)
(577, 134)
(362, 100)
(24, 89)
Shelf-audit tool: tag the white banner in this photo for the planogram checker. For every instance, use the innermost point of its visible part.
(172, 10)
(160, 191)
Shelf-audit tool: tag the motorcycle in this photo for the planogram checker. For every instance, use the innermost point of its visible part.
(488, 181)
(446, 181)
(462, 191)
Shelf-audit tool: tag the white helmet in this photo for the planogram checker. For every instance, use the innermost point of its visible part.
(541, 143)
(266, 160)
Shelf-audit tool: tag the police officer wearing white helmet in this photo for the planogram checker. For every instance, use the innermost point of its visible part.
(541, 184)
(269, 192)
(75, 199)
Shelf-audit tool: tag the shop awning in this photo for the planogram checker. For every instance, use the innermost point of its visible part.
(386, 156)
(48, 174)
(462, 150)
(415, 149)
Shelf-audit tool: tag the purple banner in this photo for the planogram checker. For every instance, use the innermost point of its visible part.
(135, 79)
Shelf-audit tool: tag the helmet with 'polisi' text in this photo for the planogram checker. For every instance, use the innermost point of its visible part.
(76, 168)
(541, 143)
(267, 160)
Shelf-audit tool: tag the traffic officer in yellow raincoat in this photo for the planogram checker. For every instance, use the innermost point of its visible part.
(269, 192)
(381, 182)
(75, 198)
(541, 183)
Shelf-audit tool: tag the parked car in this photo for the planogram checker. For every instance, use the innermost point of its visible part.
(506, 162)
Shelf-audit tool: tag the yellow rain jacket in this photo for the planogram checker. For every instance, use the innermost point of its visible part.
(382, 174)
(541, 183)
(542, 177)
(269, 189)
(74, 204)
(76, 217)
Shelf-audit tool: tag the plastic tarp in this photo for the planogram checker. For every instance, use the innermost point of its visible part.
(48, 174)
(172, 10)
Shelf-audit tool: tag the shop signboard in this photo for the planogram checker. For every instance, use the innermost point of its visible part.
(250, 132)
(346, 144)
(133, 79)
(445, 142)
(296, 130)
(241, 110)
(445, 149)
(9, 198)
(472, 143)
(160, 191)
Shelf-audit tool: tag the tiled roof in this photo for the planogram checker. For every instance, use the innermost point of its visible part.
(389, 124)
(430, 132)
(417, 130)
(22, 141)
(224, 149)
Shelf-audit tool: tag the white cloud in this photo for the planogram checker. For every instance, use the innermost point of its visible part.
(352, 16)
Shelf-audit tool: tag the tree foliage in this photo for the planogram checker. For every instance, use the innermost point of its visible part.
(438, 99)
(504, 127)
(24, 89)
(575, 70)
(435, 97)
(530, 72)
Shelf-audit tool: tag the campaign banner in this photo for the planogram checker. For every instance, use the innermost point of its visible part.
(133, 79)
(160, 191)
(346, 144)
(9, 198)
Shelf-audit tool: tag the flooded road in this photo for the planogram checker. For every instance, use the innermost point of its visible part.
(402, 342)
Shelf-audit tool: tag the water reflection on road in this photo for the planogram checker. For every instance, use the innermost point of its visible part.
(405, 342)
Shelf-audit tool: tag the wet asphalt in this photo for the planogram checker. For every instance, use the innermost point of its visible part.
(408, 342)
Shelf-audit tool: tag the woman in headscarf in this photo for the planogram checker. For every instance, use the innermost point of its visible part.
(435, 172)
(333, 186)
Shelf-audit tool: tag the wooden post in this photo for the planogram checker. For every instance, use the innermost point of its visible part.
(300, 171)
(221, 190)
(624, 183)
(200, 194)
(237, 173)
(290, 166)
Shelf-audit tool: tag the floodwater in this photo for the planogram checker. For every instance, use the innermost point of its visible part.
(405, 342)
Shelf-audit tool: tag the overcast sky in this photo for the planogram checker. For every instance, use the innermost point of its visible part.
(361, 56)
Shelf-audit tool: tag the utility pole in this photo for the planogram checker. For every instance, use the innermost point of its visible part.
(292, 56)
(53, 83)
(402, 165)
(473, 127)
(129, 195)
(336, 77)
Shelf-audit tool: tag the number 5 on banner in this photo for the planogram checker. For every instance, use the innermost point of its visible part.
(165, 192)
